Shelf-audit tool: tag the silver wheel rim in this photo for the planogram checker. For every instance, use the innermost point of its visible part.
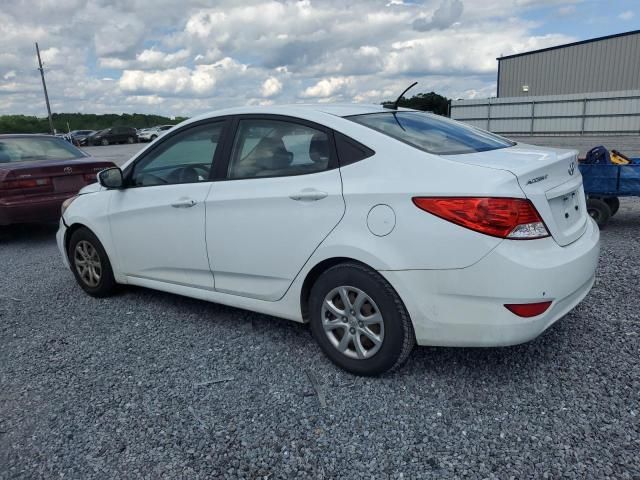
(87, 263)
(352, 322)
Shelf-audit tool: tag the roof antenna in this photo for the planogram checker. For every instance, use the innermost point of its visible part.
(394, 105)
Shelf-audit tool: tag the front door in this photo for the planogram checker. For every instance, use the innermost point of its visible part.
(282, 196)
(158, 221)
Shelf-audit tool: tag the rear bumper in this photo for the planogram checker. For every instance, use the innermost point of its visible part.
(465, 307)
(32, 210)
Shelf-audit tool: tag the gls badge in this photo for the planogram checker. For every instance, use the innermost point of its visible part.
(572, 168)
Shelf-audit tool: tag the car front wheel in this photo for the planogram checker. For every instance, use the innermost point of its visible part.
(90, 264)
(104, 142)
(359, 321)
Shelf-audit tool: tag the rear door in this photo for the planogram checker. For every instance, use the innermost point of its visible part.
(280, 197)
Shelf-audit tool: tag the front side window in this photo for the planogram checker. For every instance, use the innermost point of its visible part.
(275, 148)
(432, 133)
(183, 158)
(26, 149)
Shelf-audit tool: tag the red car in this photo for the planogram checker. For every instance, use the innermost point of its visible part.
(38, 173)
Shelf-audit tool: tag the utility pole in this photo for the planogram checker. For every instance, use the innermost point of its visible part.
(44, 86)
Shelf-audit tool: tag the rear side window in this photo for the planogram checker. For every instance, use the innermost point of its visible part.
(432, 133)
(276, 148)
(350, 151)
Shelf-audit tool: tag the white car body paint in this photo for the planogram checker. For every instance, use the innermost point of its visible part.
(261, 244)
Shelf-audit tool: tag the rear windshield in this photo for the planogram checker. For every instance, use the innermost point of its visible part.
(432, 133)
(25, 149)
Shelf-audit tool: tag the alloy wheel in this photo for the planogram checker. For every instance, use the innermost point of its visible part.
(87, 263)
(352, 322)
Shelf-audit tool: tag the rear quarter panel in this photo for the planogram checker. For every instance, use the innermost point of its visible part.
(419, 240)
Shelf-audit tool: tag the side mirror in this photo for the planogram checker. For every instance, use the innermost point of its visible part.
(111, 178)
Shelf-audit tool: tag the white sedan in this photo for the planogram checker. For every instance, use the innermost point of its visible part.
(381, 228)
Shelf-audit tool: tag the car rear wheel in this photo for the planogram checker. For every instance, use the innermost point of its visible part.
(153, 137)
(359, 321)
(90, 264)
(104, 142)
(130, 140)
(599, 211)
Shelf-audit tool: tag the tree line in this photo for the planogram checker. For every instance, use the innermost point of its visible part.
(63, 122)
(81, 121)
(430, 102)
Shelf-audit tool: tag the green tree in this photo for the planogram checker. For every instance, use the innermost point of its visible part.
(81, 121)
(429, 102)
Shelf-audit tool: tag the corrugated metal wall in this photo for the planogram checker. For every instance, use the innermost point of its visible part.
(606, 65)
(616, 113)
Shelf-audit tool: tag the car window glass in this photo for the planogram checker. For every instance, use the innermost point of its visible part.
(432, 133)
(183, 158)
(25, 149)
(271, 148)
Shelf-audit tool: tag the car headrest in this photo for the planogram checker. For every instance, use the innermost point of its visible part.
(272, 154)
(319, 148)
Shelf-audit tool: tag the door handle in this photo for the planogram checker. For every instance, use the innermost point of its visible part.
(308, 195)
(184, 203)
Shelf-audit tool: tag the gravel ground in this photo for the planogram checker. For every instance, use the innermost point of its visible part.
(151, 385)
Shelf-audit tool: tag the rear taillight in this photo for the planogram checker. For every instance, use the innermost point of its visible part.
(528, 310)
(25, 183)
(91, 177)
(514, 218)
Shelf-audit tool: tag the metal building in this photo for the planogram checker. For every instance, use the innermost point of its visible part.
(604, 64)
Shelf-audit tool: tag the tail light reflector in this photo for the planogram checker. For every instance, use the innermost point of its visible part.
(528, 310)
(25, 183)
(514, 218)
(91, 177)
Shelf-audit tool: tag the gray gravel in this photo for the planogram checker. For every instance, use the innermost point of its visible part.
(151, 385)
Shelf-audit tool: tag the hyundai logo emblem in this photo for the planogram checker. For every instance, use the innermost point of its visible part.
(572, 168)
(68, 169)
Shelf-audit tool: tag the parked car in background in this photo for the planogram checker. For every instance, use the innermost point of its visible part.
(150, 134)
(113, 135)
(79, 137)
(380, 227)
(38, 173)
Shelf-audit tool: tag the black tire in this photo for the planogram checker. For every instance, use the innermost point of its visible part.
(106, 285)
(398, 336)
(614, 204)
(599, 211)
(153, 137)
(104, 142)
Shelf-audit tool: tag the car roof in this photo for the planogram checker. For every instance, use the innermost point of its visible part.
(337, 109)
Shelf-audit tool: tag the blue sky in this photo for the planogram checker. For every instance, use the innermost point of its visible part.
(183, 58)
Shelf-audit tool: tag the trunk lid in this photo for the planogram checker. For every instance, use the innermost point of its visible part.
(50, 176)
(550, 178)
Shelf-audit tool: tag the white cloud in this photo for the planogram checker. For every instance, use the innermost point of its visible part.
(180, 58)
(327, 87)
(628, 15)
(271, 87)
(444, 16)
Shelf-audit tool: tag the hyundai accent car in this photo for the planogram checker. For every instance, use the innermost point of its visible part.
(380, 227)
(38, 173)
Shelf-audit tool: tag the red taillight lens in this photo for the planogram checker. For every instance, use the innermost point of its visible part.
(25, 183)
(514, 218)
(528, 310)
